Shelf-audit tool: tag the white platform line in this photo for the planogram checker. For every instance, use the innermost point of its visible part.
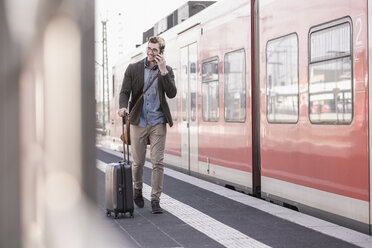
(319, 225)
(223, 234)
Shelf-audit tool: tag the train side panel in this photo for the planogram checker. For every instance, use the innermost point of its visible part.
(221, 150)
(173, 141)
(317, 159)
(225, 137)
(313, 123)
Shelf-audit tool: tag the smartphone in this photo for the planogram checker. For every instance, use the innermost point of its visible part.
(161, 52)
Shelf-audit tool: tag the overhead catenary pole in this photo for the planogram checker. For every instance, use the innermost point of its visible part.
(105, 89)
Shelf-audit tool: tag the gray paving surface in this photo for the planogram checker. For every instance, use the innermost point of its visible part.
(149, 230)
(166, 230)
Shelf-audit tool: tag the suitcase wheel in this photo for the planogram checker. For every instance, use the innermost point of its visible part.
(116, 215)
(131, 214)
(108, 213)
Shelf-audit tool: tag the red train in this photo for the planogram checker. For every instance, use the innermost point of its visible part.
(273, 100)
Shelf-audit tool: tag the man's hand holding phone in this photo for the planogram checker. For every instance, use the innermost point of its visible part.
(161, 62)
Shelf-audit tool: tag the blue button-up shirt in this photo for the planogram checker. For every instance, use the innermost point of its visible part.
(151, 112)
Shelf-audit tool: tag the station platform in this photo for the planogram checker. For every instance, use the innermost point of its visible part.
(198, 213)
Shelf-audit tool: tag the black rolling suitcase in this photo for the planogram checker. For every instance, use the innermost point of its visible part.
(119, 186)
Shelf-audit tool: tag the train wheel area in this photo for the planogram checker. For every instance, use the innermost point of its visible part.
(202, 214)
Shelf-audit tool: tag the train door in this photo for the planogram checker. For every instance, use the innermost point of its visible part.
(189, 120)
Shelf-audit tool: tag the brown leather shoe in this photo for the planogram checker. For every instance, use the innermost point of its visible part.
(138, 198)
(155, 206)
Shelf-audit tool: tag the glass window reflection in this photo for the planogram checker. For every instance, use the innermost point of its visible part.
(330, 76)
(210, 94)
(282, 80)
(210, 71)
(234, 80)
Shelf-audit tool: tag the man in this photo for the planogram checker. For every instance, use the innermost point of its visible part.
(148, 119)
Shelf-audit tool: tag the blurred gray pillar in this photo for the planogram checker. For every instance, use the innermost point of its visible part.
(87, 21)
(25, 219)
(10, 228)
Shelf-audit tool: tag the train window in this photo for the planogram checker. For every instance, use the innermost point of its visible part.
(210, 95)
(330, 74)
(282, 79)
(234, 80)
(193, 82)
(173, 103)
(184, 83)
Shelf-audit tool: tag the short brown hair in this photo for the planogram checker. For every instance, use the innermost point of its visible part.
(159, 40)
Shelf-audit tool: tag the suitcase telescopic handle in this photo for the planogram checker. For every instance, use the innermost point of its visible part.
(125, 126)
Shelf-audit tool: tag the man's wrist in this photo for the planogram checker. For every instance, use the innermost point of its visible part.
(164, 73)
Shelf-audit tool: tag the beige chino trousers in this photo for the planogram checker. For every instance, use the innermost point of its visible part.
(157, 136)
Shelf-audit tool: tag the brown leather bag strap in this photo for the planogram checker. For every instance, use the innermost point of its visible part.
(144, 92)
